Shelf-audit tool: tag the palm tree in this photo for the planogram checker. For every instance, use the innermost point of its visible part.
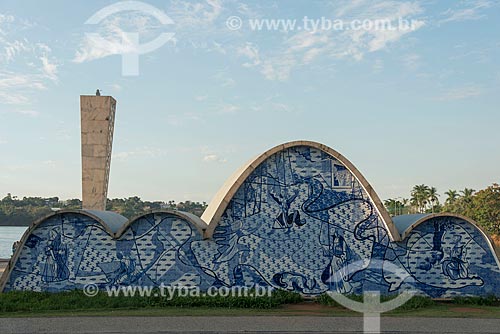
(452, 196)
(467, 193)
(390, 205)
(433, 197)
(405, 202)
(394, 206)
(420, 197)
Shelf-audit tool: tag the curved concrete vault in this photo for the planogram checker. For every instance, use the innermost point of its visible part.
(220, 201)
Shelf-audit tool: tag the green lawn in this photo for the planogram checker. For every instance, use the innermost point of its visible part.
(75, 303)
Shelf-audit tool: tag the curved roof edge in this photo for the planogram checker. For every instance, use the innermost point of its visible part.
(193, 219)
(112, 221)
(221, 200)
(414, 220)
(402, 222)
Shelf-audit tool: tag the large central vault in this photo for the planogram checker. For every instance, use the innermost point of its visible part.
(299, 217)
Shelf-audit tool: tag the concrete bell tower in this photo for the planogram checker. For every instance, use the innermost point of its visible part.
(97, 126)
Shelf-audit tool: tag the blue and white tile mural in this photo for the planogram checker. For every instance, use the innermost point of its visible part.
(446, 256)
(69, 250)
(300, 221)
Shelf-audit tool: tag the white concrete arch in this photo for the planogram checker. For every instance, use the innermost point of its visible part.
(221, 200)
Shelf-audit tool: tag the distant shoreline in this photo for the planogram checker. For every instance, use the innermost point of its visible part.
(14, 225)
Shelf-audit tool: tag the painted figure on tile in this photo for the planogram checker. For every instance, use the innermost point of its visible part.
(454, 266)
(56, 252)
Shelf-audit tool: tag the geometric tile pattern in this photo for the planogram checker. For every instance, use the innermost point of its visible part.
(69, 250)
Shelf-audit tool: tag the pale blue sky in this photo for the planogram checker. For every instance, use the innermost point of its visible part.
(406, 107)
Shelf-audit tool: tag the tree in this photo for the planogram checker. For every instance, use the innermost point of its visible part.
(395, 206)
(420, 197)
(7, 199)
(452, 197)
(465, 204)
(432, 196)
(405, 202)
(15, 211)
(390, 205)
(73, 204)
(486, 208)
(467, 194)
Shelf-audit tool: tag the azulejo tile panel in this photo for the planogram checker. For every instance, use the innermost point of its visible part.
(301, 221)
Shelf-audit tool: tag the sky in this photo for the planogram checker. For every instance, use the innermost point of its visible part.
(405, 106)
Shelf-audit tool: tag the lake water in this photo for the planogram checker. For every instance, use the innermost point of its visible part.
(9, 235)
